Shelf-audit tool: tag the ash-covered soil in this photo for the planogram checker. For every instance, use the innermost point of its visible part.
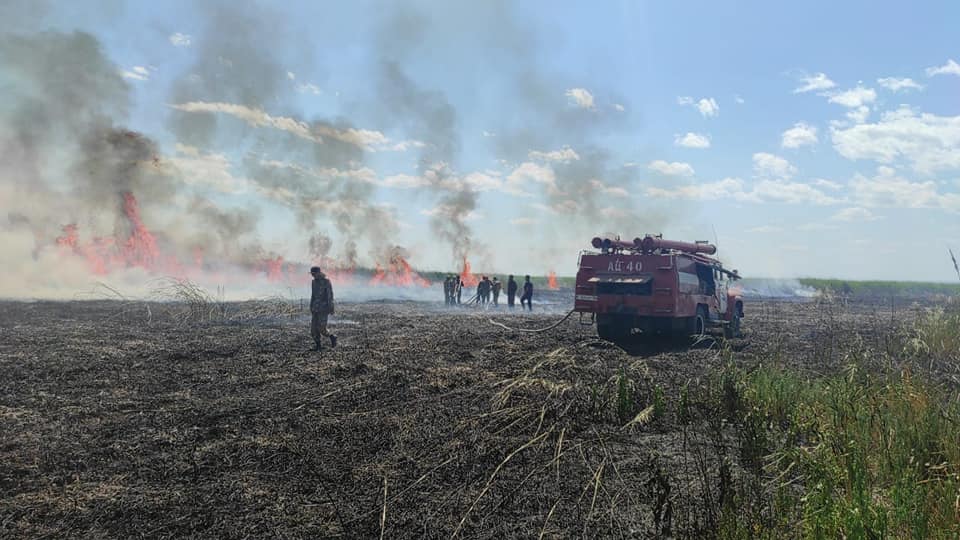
(123, 419)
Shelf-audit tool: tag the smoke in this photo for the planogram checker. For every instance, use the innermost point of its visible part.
(233, 66)
(428, 117)
(68, 161)
(68, 157)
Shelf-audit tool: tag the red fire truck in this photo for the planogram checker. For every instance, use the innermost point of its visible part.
(654, 286)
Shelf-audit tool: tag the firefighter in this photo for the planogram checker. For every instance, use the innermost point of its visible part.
(447, 290)
(321, 307)
(484, 290)
(527, 294)
(511, 290)
(496, 290)
(458, 288)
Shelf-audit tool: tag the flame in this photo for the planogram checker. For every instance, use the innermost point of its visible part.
(398, 273)
(139, 247)
(468, 279)
(552, 281)
(105, 254)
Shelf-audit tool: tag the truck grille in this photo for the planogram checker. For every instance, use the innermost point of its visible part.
(633, 289)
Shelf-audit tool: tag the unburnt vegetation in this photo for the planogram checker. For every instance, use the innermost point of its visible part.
(829, 418)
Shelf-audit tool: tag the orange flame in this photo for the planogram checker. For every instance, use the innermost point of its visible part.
(398, 273)
(467, 277)
(552, 281)
(140, 248)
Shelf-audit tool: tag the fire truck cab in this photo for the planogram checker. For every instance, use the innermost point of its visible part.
(654, 286)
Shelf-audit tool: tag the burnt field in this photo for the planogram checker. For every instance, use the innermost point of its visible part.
(119, 420)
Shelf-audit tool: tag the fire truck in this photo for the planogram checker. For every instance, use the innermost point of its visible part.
(653, 286)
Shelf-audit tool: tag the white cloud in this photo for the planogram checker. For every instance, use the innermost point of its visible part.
(859, 115)
(523, 221)
(404, 181)
(928, 142)
(777, 191)
(291, 75)
(597, 185)
(887, 189)
(817, 226)
(801, 134)
(580, 97)
(675, 168)
(564, 155)
(450, 211)
(896, 84)
(726, 188)
(180, 40)
(138, 73)
(486, 133)
(308, 88)
(829, 184)
(210, 170)
(618, 107)
(789, 192)
(813, 83)
(855, 213)
(484, 181)
(529, 172)
(950, 68)
(765, 229)
(772, 166)
(738, 99)
(365, 138)
(692, 140)
(855, 97)
(706, 106)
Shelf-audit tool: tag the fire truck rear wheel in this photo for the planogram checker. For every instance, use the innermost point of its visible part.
(610, 328)
(698, 323)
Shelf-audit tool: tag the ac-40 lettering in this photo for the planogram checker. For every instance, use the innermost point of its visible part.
(618, 266)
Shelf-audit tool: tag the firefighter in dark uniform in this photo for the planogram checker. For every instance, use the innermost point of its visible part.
(527, 294)
(321, 307)
(447, 290)
(495, 288)
(511, 290)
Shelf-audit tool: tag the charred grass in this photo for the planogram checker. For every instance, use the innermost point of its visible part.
(827, 419)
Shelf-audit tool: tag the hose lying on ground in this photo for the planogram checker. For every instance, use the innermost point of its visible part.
(552, 326)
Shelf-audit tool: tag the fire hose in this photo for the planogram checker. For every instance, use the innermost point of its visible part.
(532, 331)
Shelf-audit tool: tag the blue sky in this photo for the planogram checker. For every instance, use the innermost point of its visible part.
(810, 138)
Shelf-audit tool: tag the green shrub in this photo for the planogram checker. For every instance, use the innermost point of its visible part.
(874, 456)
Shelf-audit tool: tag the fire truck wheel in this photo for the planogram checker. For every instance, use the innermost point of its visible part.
(732, 329)
(610, 328)
(698, 323)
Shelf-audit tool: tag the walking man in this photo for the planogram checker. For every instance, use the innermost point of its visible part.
(496, 291)
(321, 307)
(511, 290)
(527, 294)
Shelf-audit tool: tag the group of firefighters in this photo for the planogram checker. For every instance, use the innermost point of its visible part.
(488, 291)
(322, 304)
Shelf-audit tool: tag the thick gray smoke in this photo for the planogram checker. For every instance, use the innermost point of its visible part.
(66, 156)
(315, 166)
(59, 133)
(66, 159)
(427, 116)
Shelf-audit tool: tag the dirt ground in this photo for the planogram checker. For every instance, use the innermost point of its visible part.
(423, 423)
